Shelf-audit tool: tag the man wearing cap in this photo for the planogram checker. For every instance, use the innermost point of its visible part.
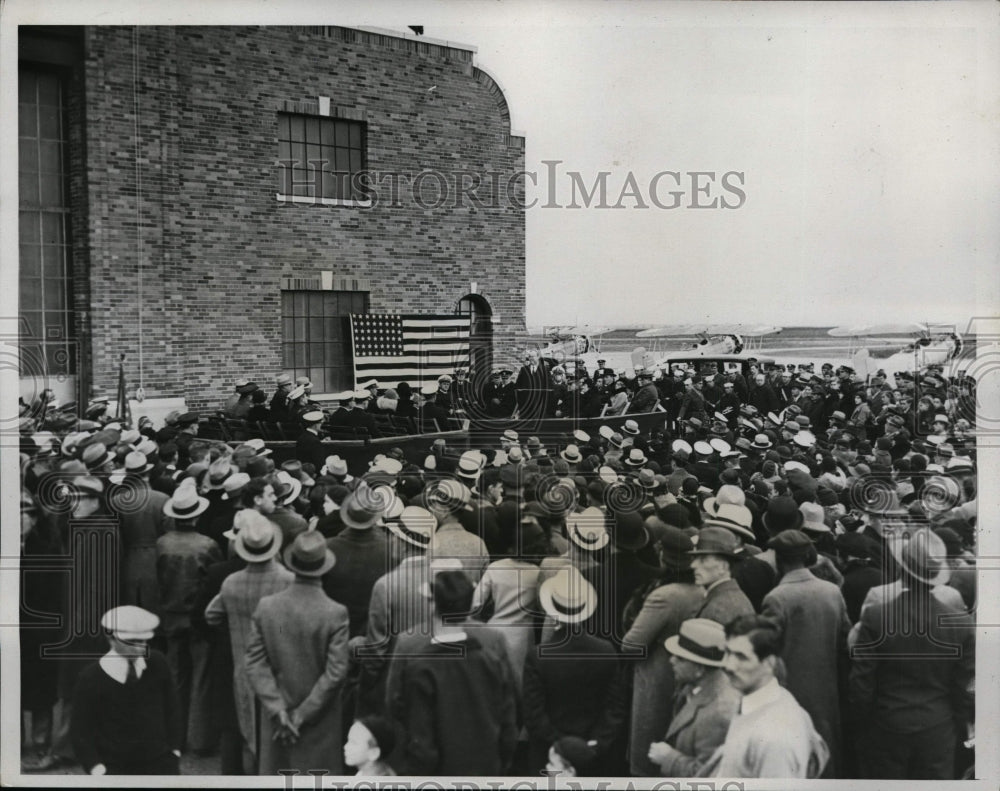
(715, 553)
(913, 668)
(239, 403)
(183, 556)
(309, 445)
(574, 682)
(705, 704)
(296, 662)
(257, 541)
(646, 397)
(126, 716)
(813, 617)
(772, 736)
(430, 416)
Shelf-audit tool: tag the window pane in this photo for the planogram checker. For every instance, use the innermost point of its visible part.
(301, 329)
(286, 303)
(287, 328)
(318, 377)
(343, 135)
(52, 228)
(27, 120)
(32, 325)
(316, 328)
(312, 130)
(315, 303)
(53, 261)
(316, 355)
(31, 294)
(50, 156)
(299, 154)
(27, 153)
(287, 357)
(331, 185)
(54, 294)
(29, 228)
(334, 353)
(343, 161)
(326, 132)
(355, 161)
(303, 182)
(55, 325)
(283, 131)
(48, 118)
(331, 327)
(51, 189)
(300, 303)
(299, 355)
(284, 151)
(356, 136)
(284, 180)
(28, 184)
(296, 128)
(313, 155)
(48, 90)
(26, 86)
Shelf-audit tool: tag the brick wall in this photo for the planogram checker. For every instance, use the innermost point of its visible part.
(187, 242)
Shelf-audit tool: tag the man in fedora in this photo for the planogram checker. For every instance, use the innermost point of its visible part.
(705, 704)
(812, 615)
(646, 396)
(285, 490)
(141, 522)
(126, 718)
(772, 735)
(183, 557)
(717, 549)
(574, 682)
(362, 552)
(257, 541)
(296, 662)
(757, 575)
(279, 401)
(913, 667)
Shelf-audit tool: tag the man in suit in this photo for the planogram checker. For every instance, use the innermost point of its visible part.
(456, 698)
(256, 543)
(428, 409)
(126, 716)
(705, 704)
(813, 617)
(647, 396)
(296, 662)
(279, 401)
(360, 416)
(712, 560)
(574, 683)
(911, 683)
(531, 387)
(309, 446)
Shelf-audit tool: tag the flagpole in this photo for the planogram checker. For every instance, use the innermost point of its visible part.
(123, 408)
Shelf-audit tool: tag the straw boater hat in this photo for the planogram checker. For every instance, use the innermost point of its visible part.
(588, 529)
(636, 458)
(631, 428)
(568, 597)
(258, 446)
(415, 526)
(185, 503)
(258, 539)
(309, 556)
(699, 640)
(571, 453)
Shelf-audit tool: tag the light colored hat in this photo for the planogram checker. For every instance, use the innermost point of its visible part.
(315, 416)
(681, 446)
(294, 487)
(234, 485)
(728, 494)
(415, 525)
(702, 448)
(137, 463)
(606, 432)
(571, 453)
(581, 436)
(510, 435)
(804, 439)
(636, 458)
(631, 428)
(699, 640)
(588, 529)
(736, 518)
(258, 446)
(429, 389)
(283, 379)
(185, 503)
(812, 516)
(334, 465)
(258, 538)
(788, 466)
(720, 445)
(568, 597)
(129, 622)
(470, 464)
(369, 384)
(919, 552)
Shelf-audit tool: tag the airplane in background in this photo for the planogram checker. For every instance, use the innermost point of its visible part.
(919, 345)
(581, 346)
(711, 339)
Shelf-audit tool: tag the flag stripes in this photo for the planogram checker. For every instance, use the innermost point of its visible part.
(416, 349)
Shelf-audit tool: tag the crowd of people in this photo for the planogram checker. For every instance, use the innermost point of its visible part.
(757, 583)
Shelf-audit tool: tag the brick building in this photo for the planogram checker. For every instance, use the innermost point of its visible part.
(166, 213)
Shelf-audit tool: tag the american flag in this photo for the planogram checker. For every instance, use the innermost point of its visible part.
(414, 348)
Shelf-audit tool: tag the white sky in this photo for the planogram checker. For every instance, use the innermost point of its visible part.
(866, 133)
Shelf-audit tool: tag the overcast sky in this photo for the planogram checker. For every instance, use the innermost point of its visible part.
(864, 137)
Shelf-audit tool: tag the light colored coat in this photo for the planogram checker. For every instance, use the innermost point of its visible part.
(297, 662)
(235, 604)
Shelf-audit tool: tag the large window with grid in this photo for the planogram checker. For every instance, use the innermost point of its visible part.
(47, 327)
(316, 339)
(317, 156)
